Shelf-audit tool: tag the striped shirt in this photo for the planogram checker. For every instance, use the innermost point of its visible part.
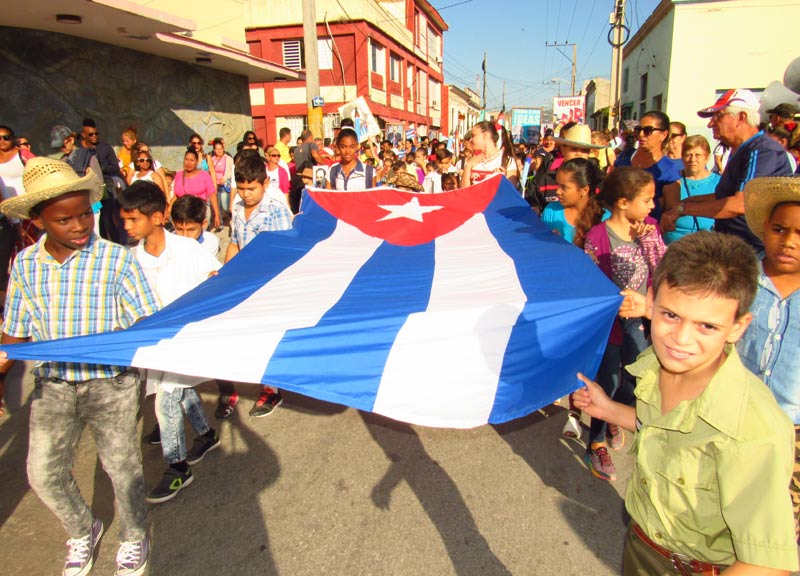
(270, 216)
(98, 288)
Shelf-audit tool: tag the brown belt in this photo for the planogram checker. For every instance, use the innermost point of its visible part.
(682, 563)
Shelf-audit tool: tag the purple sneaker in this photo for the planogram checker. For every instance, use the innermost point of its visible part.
(80, 551)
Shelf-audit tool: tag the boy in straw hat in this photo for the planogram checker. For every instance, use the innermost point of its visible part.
(769, 347)
(72, 283)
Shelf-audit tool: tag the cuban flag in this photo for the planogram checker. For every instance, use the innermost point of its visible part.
(452, 310)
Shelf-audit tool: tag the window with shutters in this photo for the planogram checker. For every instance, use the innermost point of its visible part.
(293, 56)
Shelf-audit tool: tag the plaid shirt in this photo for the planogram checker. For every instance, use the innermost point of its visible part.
(270, 216)
(97, 289)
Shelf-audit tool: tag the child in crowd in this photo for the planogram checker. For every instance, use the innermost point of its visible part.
(449, 181)
(627, 247)
(769, 347)
(350, 173)
(73, 283)
(577, 209)
(188, 216)
(713, 449)
(254, 213)
(444, 165)
(173, 266)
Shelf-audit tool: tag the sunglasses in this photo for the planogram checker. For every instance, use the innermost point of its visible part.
(678, 135)
(274, 155)
(148, 160)
(90, 134)
(6, 137)
(24, 144)
(193, 142)
(648, 130)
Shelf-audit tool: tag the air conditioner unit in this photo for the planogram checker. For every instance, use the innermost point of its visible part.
(434, 104)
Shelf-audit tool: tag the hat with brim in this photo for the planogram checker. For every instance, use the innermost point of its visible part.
(402, 179)
(45, 179)
(784, 110)
(579, 136)
(761, 195)
(739, 98)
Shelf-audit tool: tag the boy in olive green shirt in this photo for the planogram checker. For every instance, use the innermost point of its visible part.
(714, 452)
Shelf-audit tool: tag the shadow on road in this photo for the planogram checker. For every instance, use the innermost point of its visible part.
(591, 507)
(437, 493)
(14, 443)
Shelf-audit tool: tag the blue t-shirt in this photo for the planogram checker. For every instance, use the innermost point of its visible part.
(688, 224)
(553, 215)
(758, 156)
(665, 171)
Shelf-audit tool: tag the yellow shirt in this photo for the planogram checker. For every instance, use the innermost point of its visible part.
(711, 478)
(284, 150)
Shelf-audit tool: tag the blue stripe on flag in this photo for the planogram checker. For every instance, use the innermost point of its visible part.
(350, 351)
(542, 356)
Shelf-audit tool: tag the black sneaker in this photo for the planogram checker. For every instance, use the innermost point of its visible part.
(226, 406)
(202, 445)
(154, 437)
(266, 403)
(173, 482)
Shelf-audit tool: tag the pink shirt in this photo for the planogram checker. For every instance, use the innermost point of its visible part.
(200, 185)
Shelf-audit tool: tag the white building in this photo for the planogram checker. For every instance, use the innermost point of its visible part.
(463, 109)
(689, 52)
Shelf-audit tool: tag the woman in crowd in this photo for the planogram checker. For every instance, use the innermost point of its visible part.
(144, 170)
(196, 143)
(278, 187)
(605, 156)
(126, 153)
(696, 180)
(196, 182)
(222, 174)
(652, 133)
(494, 158)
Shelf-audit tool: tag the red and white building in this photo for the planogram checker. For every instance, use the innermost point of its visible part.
(388, 51)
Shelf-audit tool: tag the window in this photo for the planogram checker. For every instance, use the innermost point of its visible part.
(433, 54)
(658, 102)
(422, 28)
(394, 68)
(378, 59)
(625, 80)
(293, 56)
(325, 53)
(643, 87)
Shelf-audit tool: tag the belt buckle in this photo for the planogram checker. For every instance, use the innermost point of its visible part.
(682, 563)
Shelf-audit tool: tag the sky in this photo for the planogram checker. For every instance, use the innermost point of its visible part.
(513, 34)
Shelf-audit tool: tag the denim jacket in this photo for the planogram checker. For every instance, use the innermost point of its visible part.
(769, 348)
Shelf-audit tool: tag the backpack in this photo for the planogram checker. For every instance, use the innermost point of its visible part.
(80, 158)
(369, 174)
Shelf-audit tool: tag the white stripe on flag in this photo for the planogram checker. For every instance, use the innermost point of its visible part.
(244, 338)
(446, 361)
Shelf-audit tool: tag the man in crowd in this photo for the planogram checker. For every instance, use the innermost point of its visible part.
(307, 152)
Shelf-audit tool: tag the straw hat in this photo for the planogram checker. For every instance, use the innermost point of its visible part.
(403, 179)
(762, 194)
(579, 136)
(45, 179)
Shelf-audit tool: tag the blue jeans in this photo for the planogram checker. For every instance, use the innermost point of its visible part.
(170, 408)
(224, 197)
(59, 413)
(612, 376)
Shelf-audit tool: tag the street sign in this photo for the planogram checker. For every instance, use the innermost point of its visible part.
(318, 101)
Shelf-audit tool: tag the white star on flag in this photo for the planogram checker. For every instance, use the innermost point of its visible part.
(411, 210)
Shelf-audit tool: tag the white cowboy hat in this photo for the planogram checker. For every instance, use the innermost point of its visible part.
(579, 136)
(44, 179)
(762, 194)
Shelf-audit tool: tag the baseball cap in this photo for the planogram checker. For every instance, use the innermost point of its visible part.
(739, 97)
(784, 110)
(58, 134)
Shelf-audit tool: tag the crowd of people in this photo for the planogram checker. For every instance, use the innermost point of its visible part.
(703, 245)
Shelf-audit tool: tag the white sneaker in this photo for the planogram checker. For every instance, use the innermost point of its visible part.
(132, 557)
(572, 427)
(80, 551)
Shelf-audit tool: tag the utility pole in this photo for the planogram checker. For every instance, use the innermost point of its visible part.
(574, 58)
(617, 37)
(483, 97)
(312, 67)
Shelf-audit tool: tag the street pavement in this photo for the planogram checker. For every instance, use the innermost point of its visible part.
(316, 488)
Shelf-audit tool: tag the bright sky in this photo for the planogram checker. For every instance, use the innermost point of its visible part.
(513, 34)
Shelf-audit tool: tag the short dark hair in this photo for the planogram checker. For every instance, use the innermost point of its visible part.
(248, 168)
(346, 133)
(193, 152)
(188, 208)
(144, 196)
(449, 176)
(443, 154)
(623, 182)
(347, 122)
(710, 263)
(89, 123)
(284, 131)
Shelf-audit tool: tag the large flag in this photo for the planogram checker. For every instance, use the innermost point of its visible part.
(452, 309)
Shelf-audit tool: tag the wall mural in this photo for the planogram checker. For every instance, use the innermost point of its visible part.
(51, 79)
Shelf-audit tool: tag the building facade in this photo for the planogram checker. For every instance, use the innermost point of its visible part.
(463, 108)
(598, 94)
(387, 51)
(689, 52)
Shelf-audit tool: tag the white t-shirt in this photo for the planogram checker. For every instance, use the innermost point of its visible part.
(274, 187)
(183, 265)
(209, 242)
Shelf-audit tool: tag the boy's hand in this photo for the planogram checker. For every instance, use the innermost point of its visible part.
(634, 305)
(592, 399)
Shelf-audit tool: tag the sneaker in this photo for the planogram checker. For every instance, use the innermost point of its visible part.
(132, 557)
(202, 445)
(600, 464)
(80, 551)
(154, 437)
(268, 401)
(226, 406)
(572, 427)
(615, 437)
(171, 483)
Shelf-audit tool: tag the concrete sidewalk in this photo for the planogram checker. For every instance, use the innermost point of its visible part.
(319, 489)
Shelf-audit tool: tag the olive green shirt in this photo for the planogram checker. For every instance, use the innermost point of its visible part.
(711, 478)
